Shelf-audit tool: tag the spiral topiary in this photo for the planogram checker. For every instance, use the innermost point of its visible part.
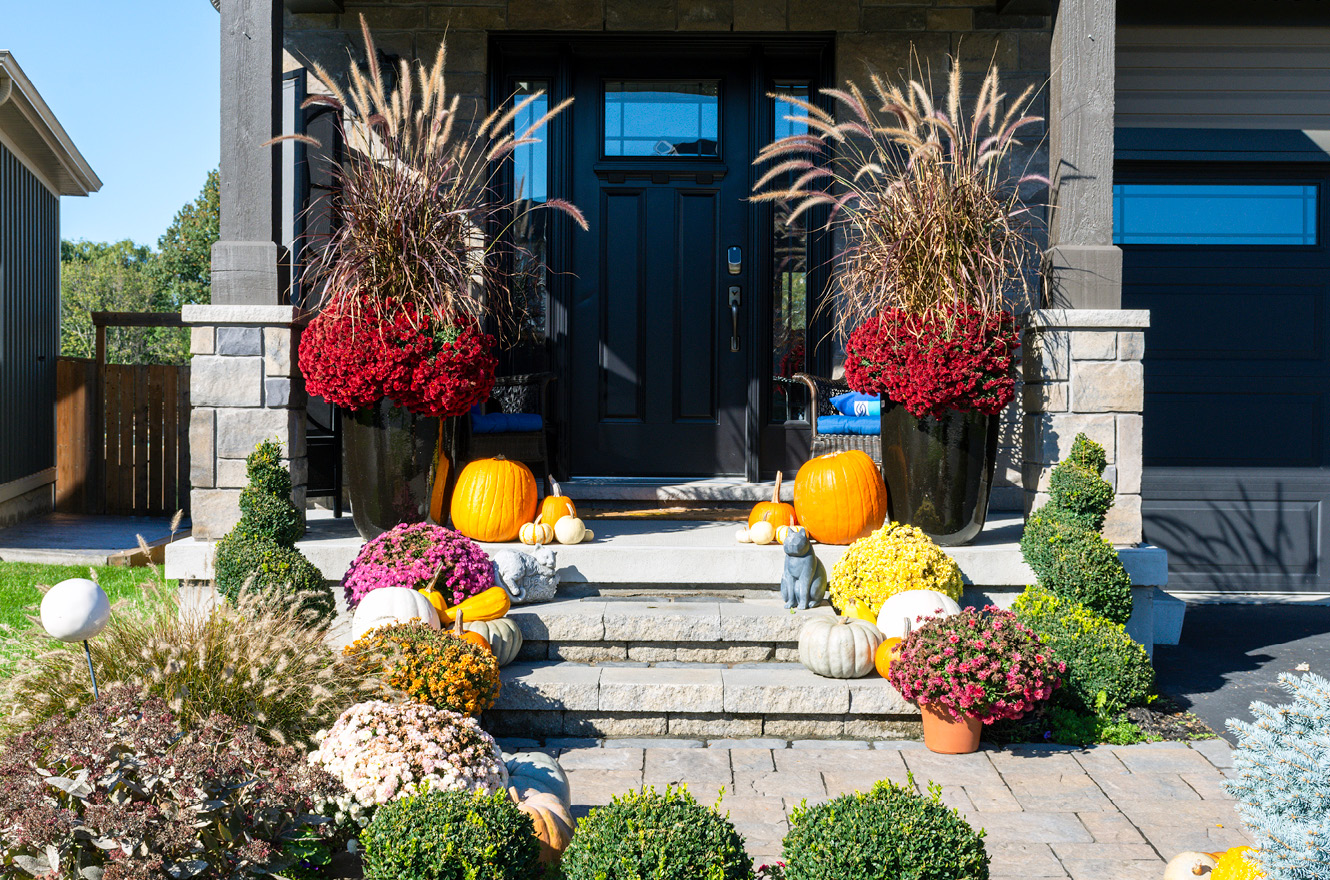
(1062, 544)
(258, 555)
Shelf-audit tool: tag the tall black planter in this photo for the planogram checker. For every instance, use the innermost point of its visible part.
(939, 470)
(388, 454)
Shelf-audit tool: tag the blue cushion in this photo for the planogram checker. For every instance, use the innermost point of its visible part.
(852, 403)
(871, 425)
(505, 423)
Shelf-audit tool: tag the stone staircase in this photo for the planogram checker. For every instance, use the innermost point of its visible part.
(682, 664)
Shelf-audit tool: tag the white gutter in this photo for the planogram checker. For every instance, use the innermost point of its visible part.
(18, 93)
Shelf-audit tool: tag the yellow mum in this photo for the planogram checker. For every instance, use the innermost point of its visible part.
(429, 666)
(1234, 864)
(892, 560)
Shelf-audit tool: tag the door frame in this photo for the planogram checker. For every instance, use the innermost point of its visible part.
(550, 57)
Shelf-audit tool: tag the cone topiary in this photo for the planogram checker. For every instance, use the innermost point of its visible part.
(1282, 782)
(1062, 544)
(259, 555)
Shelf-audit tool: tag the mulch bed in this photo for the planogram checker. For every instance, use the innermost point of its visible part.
(1164, 719)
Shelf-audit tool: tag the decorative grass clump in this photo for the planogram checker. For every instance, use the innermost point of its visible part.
(450, 836)
(888, 833)
(662, 836)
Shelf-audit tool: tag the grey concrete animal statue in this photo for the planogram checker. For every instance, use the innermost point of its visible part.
(804, 582)
(528, 577)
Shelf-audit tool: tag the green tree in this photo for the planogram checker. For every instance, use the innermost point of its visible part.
(104, 277)
(183, 268)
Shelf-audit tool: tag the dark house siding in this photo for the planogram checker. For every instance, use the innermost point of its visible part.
(29, 320)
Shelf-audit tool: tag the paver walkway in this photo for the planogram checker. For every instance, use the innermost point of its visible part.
(1105, 811)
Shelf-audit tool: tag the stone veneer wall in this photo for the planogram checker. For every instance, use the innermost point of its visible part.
(1083, 372)
(872, 37)
(243, 390)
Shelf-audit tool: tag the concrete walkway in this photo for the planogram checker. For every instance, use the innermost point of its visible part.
(1087, 814)
(79, 539)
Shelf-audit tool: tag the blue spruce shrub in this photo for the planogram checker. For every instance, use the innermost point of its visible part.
(1283, 780)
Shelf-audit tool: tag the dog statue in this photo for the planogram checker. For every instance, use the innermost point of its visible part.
(528, 577)
(804, 582)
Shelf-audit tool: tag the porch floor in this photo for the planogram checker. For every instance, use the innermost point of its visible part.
(81, 539)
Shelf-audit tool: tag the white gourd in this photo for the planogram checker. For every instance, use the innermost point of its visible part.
(900, 613)
(1189, 866)
(742, 537)
(762, 532)
(839, 647)
(569, 530)
(391, 605)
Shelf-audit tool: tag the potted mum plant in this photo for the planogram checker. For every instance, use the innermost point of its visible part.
(971, 669)
(934, 260)
(418, 264)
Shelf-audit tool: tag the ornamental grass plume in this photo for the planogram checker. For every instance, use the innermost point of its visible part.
(411, 554)
(258, 662)
(893, 559)
(429, 666)
(932, 217)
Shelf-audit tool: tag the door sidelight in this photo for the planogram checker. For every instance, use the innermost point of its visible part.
(735, 297)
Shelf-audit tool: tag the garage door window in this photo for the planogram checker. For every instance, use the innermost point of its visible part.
(1214, 214)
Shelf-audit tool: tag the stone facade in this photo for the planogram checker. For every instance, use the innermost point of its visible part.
(241, 389)
(1083, 372)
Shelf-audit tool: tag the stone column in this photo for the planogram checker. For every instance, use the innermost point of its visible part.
(1083, 372)
(241, 380)
(1083, 268)
(241, 390)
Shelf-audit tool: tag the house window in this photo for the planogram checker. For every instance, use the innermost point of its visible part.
(789, 294)
(656, 118)
(531, 163)
(1214, 214)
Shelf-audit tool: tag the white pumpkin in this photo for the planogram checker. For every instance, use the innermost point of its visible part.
(742, 537)
(539, 771)
(1189, 866)
(75, 610)
(762, 532)
(536, 533)
(900, 614)
(839, 647)
(570, 530)
(504, 636)
(391, 605)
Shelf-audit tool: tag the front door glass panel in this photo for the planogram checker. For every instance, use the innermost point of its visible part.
(789, 294)
(677, 118)
(531, 165)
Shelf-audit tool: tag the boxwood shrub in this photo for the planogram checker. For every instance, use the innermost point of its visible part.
(1079, 565)
(1101, 658)
(645, 834)
(452, 835)
(888, 833)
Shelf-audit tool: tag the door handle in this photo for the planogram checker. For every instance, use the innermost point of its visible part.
(735, 298)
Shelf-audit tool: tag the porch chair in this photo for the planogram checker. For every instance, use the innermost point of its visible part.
(514, 422)
(832, 430)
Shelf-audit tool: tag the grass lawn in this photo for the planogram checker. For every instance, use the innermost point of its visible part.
(19, 595)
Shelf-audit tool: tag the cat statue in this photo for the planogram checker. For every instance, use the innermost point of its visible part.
(804, 582)
(527, 577)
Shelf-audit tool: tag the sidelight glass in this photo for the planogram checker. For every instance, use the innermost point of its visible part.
(675, 118)
(531, 163)
(1214, 214)
(789, 295)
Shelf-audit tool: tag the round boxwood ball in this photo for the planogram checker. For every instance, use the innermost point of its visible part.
(450, 836)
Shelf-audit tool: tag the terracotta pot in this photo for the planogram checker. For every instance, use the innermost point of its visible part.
(947, 736)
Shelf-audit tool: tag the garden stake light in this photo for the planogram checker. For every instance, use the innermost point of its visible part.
(76, 610)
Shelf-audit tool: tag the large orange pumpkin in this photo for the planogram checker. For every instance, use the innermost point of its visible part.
(887, 653)
(840, 497)
(493, 498)
(774, 511)
(556, 506)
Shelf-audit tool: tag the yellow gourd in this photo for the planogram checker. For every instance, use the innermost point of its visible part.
(860, 610)
(536, 533)
(489, 605)
(436, 599)
(783, 532)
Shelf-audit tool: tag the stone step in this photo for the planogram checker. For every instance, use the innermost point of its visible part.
(784, 700)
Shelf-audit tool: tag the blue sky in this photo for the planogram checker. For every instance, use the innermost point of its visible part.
(135, 83)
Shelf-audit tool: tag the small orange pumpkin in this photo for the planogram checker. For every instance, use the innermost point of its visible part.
(467, 635)
(493, 499)
(887, 653)
(556, 506)
(775, 511)
(552, 822)
(840, 497)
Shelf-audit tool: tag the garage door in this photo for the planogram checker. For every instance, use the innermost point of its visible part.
(1231, 261)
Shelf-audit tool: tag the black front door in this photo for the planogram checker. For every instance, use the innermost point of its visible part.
(662, 284)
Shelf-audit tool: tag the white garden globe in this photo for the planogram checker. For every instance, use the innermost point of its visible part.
(75, 610)
(899, 613)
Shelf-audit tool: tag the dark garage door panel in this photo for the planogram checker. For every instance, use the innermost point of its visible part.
(1239, 529)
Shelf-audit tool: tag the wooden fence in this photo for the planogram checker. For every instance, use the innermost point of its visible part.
(139, 466)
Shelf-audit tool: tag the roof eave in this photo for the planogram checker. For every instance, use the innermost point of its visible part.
(78, 178)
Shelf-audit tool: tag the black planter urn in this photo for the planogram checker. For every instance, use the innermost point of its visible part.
(939, 470)
(388, 459)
